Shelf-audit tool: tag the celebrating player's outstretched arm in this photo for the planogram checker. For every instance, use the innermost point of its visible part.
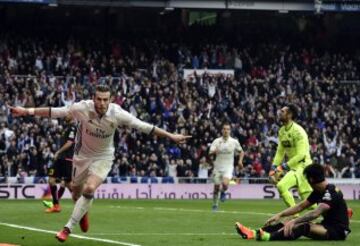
(21, 111)
(97, 120)
(177, 138)
(62, 112)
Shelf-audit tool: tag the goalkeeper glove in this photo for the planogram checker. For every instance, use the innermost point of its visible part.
(277, 172)
(273, 170)
(280, 168)
(283, 167)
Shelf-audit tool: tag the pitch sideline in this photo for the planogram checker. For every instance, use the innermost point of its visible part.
(71, 235)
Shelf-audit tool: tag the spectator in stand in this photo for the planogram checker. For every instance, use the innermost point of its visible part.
(40, 71)
(203, 171)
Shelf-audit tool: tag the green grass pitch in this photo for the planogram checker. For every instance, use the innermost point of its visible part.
(149, 223)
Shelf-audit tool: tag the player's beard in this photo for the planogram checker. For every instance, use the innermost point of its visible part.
(101, 110)
(282, 119)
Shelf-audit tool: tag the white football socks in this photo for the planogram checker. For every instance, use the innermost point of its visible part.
(82, 206)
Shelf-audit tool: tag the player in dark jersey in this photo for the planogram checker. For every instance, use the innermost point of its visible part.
(331, 205)
(61, 170)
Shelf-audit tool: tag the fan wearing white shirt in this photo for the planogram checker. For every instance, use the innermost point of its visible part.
(97, 120)
(224, 149)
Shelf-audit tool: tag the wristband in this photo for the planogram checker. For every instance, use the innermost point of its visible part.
(285, 167)
(31, 111)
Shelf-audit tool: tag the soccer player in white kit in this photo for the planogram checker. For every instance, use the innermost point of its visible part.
(97, 121)
(224, 148)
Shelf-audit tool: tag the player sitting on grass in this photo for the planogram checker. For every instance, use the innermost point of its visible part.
(331, 205)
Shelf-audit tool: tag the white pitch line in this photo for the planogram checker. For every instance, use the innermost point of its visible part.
(162, 234)
(209, 211)
(193, 210)
(202, 211)
(71, 235)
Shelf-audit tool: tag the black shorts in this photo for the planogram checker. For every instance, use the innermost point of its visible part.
(335, 232)
(61, 170)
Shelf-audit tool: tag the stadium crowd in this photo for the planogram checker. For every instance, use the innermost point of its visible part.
(146, 78)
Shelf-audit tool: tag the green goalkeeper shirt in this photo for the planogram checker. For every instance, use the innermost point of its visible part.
(294, 143)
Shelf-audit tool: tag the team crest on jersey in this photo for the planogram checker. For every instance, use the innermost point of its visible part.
(286, 143)
(327, 196)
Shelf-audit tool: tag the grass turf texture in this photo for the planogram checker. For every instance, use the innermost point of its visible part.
(151, 223)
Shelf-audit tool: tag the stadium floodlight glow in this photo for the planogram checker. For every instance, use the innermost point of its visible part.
(317, 6)
(283, 11)
(53, 4)
(168, 6)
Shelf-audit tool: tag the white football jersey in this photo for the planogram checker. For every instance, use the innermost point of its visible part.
(225, 157)
(94, 135)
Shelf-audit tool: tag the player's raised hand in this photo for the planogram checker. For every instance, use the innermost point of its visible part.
(179, 138)
(273, 220)
(18, 111)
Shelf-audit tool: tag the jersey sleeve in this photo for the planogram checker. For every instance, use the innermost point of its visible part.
(314, 197)
(238, 147)
(280, 153)
(74, 109)
(59, 112)
(213, 146)
(301, 145)
(124, 118)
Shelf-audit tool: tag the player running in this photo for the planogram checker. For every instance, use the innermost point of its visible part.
(330, 204)
(224, 148)
(97, 121)
(61, 169)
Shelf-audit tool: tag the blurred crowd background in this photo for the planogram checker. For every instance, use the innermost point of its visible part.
(145, 66)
